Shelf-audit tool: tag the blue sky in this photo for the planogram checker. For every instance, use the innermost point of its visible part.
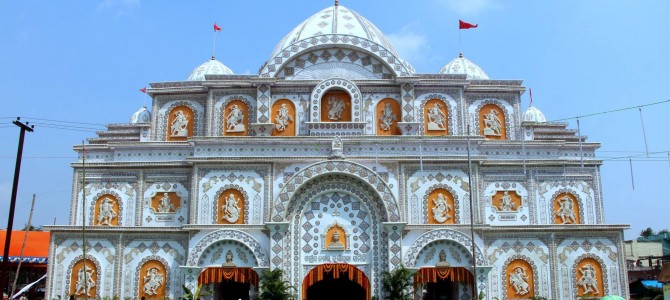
(83, 61)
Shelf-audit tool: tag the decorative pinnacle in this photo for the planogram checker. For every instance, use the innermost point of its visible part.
(213, 57)
(337, 2)
(460, 55)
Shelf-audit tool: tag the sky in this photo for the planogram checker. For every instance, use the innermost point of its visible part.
(83, 61)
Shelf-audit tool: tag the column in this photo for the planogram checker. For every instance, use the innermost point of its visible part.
(263, 125)
(278, 240)
(408, 124)
(394, 235)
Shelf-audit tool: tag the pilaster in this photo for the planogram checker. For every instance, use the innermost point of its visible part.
(394, 235)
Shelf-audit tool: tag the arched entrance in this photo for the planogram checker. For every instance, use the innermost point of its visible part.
(440, 283)
(230, 283)
(336, 281)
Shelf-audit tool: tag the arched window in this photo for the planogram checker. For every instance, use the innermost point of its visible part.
(436, 117)
(152, 280)
(387, 115)
(589, 277)
(336, 106)
(106, 211)
(284, 117)
(230, 206)
(520, 282)
(235, 119)
(441, 208)
(492, 123)
(566, 209)
(180, 124)
(84, 279)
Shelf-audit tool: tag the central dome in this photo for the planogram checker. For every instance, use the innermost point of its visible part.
(336, 19)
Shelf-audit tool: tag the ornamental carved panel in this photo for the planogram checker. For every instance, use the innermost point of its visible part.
(180, 124)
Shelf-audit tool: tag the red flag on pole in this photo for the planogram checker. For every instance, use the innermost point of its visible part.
(531, 96)
(216, 27)
(143, 90)
(466, 25)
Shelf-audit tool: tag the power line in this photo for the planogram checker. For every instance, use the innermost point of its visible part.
(54, 120)
(611, 111)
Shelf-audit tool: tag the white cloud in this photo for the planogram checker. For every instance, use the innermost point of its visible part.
(469, 7)
(121, 7)
(411, 46)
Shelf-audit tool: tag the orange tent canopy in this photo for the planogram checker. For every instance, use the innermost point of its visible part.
(36, 247)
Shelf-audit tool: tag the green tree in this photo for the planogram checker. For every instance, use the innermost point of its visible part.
(663, 231)
(647, 232)
(274, 287)
(31, 228)
(397, 284)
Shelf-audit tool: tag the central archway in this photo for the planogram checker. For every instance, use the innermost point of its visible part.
(336, 281)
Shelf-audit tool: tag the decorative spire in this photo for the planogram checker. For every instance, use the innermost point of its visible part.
(460, 54)
(337, 2)
(213, 57)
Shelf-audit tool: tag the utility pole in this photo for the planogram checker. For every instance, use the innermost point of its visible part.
(12, 204)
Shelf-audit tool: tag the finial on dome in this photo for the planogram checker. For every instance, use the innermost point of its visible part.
(337, 2)
(460, 54)
(213, 57)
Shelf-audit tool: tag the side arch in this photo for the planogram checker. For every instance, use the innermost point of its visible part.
(229, 234)
(358, 171)
(437, 235)
(336, 83)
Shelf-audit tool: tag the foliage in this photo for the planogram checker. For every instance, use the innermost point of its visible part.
(31, 228)
(274, 287)
(397, 284)
(192, 295)
(647, 232)
(663, 231)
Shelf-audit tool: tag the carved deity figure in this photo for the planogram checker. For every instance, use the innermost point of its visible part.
(179, 126)
(387, 117)
(441, 209)
(437, 120)
(85, 280)
(519, 281)
(506, 203)
(336, 244)
(231, 211)
(234, 119)
(442, 263)
(152, 281)
(165, 206)
(106, 212)
(282, 118)
(229, 259)
(566, 211)
(335, 108)
(589, 280)
(492, 123)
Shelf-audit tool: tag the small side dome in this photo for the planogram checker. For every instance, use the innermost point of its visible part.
(461, 65)
(141, 116)
(533, 114)
(210, 67)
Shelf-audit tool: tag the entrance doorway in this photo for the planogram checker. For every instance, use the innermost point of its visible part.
(443, 289)
(230, 290)
(336, 281)
(229, 283)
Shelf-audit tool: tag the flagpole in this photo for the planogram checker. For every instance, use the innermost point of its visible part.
(472, 222)
(83, 215)
(213, 41)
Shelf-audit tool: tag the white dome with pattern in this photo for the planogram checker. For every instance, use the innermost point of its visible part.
(210, 67)
(335, 19)
(141, 116)
(461, 65)
(533, 114)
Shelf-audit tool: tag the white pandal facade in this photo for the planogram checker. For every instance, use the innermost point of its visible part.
(338, 153)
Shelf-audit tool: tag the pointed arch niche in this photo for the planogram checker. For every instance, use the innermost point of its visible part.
(107, 211)
(589, 269)
(520, 271)
(91, 277)
(152, 271)
(223, 215)
(436, 117)
(492, 122)
(441, 208)
(388, 114)
(284, 126)
(561, 203)
(180, 124)
(231, 125)
(336, 106)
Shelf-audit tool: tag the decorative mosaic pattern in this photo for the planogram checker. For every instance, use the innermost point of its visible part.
(263, 93)
(337, 83)
(197, 251)
(335, 62)
(456, 254)
(407, 102)
(215, 254)
(441, 234)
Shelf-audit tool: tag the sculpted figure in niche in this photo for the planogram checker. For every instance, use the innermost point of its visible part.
(152, 281)
(589, 281)
(179, 126)
(234, 119)
(336, 244)
(387, 117)
(231, 212)
(106, 212)
(282, 118)
(229, 260)
(437, 120)
(519, 280)
(492, 123)
(442, 263)
(335, 108)
(566, 211)
(85, 280)
(506, 203)
(441, 209)
(165, 206)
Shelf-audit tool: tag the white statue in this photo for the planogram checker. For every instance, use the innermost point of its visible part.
(336, 244)
(335, 108)
(231, 212)
(589, 281)
(441, 209)
(152, 281)
(165, 206)
(229, 260)
(106, 212)
(85, 280)
(282, 118)
(566, 210)
(519, 280)
(387, 117)
(506, 203)
(492, 123)
(234, 120)
(437, 120)
(179, 126)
